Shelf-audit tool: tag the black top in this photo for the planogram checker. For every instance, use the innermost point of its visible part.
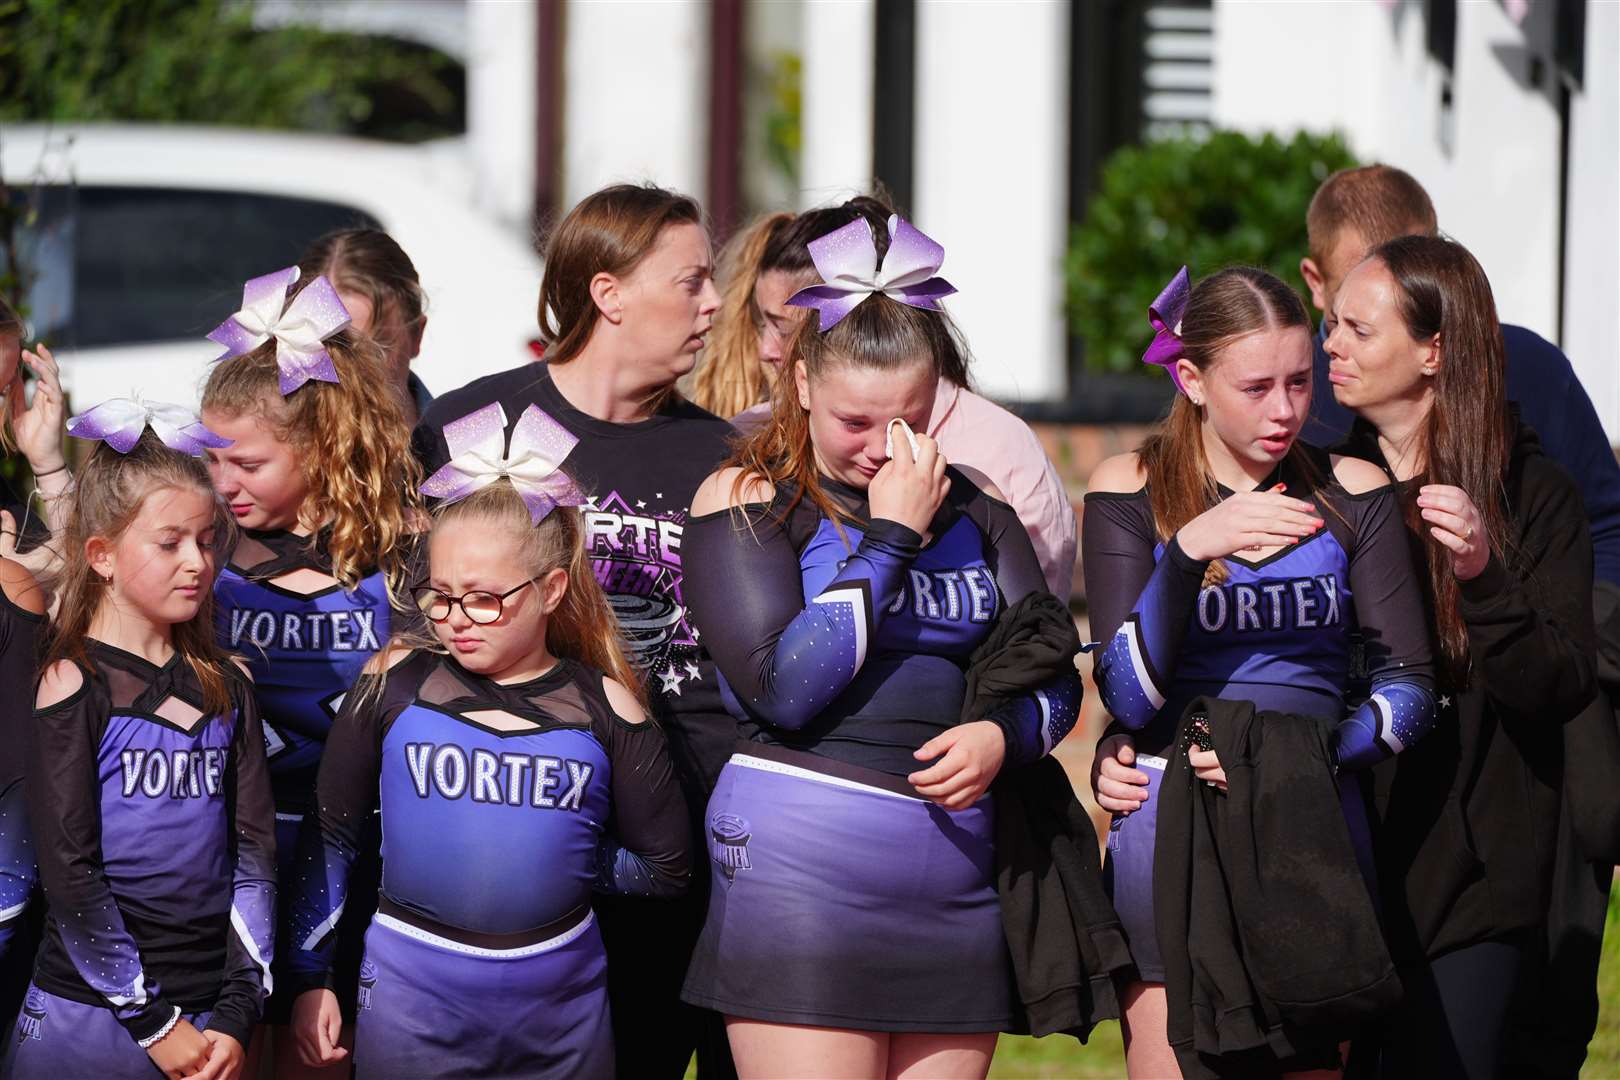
(20, 634)
(640, 478)
(34, 530)
(154, 827)
(1470, 814)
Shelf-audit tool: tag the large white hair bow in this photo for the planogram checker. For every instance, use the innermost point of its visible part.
(847, 261)
(118, 422)
(299, 327)
(479, 457)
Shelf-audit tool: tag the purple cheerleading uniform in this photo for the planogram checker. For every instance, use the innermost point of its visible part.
(153, 826)
(503, 807)
(1304, 630)
(840, 897)
(306, 650)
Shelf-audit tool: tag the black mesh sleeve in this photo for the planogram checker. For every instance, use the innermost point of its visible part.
(250, 943)
(330, 841)
(648, 848)
(64, 807)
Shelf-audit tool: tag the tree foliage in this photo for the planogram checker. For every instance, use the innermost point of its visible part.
(1203, 203)
(203, 62)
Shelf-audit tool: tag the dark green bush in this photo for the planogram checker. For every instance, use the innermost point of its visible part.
(1205, 203)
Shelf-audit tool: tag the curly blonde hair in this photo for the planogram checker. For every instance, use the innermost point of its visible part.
(353, 446)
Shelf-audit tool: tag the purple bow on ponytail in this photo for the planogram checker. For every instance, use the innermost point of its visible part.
(847, 261)
(1165, 315)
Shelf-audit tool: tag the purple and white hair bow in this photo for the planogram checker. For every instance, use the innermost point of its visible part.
(299, 327)
(847, 261)
(533, 463)
(118, 422)
(1165, 315)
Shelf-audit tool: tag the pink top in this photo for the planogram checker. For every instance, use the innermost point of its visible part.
(976, 432)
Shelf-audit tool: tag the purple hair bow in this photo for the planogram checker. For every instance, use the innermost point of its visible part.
(299, 327)
(847, 261)
(118, 422)
(1165, 315)
(533, 463)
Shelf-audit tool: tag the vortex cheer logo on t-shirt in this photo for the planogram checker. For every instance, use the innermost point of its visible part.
(635, 551)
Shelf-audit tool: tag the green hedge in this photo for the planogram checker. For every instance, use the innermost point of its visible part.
(1205, 203)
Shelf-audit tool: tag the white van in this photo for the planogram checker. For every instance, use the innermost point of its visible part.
(145, 234)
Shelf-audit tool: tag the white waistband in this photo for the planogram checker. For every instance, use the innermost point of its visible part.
(748, 761)
(399, 927)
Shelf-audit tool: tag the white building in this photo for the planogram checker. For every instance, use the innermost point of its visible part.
(1485, 129)
(988, 119)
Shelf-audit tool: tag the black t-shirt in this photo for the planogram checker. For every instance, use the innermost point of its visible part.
(639, 478)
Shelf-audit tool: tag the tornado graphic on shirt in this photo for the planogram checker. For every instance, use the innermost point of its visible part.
(635, 550)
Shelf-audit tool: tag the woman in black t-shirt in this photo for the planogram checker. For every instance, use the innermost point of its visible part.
(626, 302)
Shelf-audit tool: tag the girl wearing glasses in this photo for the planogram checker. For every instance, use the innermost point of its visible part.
(515, 770)
(321, 483)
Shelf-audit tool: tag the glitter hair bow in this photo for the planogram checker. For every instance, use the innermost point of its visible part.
(118, 422)
(1165, 315)
(532, 464)
(299, 327)
(847, 261)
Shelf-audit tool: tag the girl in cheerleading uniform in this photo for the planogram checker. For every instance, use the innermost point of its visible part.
(854, 919)
(320, 479)
(1227, 559)
(147, 787)
(762, 268)
(515, 771)
(22, 624)
(625, 306)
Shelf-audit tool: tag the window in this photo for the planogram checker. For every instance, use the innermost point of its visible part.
(130, 265)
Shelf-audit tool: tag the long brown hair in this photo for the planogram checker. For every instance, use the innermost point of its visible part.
(583, 626)
(109, 491)
(879, 334)
(1466, 439)
(1225, 306)
(353, 447)
(370, 263)
(609, 232)
(732, 377)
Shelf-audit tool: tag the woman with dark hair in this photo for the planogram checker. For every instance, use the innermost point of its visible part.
(1227, 559)
(844, 574)
(1499, 532)
(625, 305)
(769, 262)
(378, 284)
